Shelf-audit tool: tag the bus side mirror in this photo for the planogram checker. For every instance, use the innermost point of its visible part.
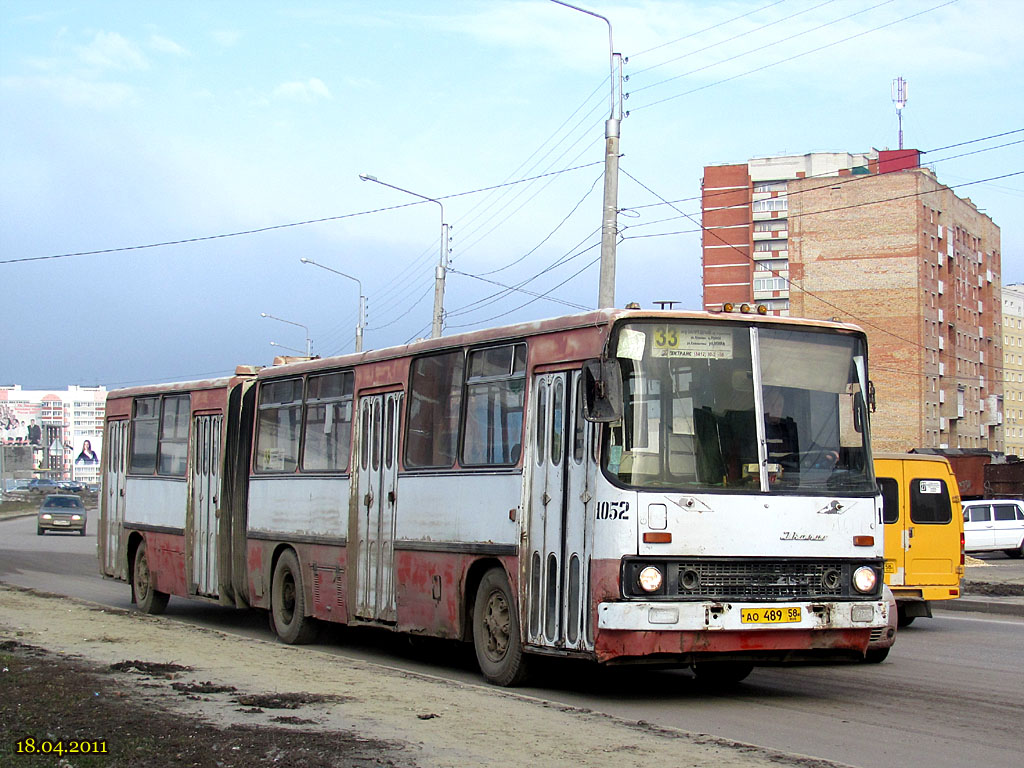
(602, 391)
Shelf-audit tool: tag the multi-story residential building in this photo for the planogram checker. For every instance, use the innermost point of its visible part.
(1013, 368)
(64, 427)
(876, 240)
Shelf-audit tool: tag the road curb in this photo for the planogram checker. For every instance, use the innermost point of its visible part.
(981, 605)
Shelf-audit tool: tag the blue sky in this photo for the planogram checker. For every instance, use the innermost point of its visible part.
(128, 124)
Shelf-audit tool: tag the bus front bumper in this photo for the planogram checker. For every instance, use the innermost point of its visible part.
(759, 632)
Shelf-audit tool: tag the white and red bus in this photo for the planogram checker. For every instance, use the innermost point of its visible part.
(623, 486)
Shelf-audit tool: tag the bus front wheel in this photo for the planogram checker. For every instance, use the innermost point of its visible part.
(288, 602)
(722, 672)
(148, 599)
(496, 638)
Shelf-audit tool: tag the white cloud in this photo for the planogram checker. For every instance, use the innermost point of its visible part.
(308, 91)
(109, 50)
(73, 90)
(165, 45)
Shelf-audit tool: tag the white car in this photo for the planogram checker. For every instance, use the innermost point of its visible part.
(991, 525)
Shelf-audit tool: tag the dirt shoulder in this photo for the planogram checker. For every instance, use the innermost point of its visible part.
(161, 692)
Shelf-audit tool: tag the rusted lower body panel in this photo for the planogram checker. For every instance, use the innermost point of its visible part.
(434, 590)
(760, 645)
(257, 570)
(427, 589)
(327, 583)
(322, 567)
(165, 553)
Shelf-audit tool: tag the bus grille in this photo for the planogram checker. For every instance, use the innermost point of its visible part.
(748, 579)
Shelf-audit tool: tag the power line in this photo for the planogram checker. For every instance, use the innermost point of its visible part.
(509, 288)
(494, 297)
(552, 232)
(273, 227)
(528, 303)
(706, 29)
(793, 57)
(737, 37)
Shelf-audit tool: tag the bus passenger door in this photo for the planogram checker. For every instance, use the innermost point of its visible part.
(378, 497)
(560, 500)
(205, 497)
(114, 478)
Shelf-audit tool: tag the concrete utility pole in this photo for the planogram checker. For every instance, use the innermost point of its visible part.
(361, 322)
(610, 214)
(442, 267)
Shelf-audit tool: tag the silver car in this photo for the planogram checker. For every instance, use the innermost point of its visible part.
(61, 512)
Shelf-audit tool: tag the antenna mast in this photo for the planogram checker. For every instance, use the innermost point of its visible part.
(899, 98)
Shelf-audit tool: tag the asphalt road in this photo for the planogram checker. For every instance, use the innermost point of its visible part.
(950, 692)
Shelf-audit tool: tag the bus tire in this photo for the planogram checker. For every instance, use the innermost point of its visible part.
(496, 638)
(903, 619)
(148, 599)
(876, 655)
(722, 672)
(288, 602)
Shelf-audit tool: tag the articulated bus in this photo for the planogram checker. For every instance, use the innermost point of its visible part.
(624, 486)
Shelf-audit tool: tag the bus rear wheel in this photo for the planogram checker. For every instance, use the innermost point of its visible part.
(148, 599)
(496, 638)
(288, 602)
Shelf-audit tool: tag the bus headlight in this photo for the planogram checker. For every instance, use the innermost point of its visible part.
(650, 579)
(865, 579)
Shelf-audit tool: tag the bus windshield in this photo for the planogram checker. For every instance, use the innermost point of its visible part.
(741, 408)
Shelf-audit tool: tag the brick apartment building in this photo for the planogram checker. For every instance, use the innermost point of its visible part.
(1013, 368)
(873, 239)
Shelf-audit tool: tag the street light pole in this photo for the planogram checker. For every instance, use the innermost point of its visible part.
(610, 213)
(361, 322)
(309, 342)
(439, 274)
(282, 346)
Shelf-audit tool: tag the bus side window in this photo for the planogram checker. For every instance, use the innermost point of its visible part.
(495, 392)
(174, 436)
(145, 427)
(328, 422)
(890, 499)
(278, 426)
(435, 400)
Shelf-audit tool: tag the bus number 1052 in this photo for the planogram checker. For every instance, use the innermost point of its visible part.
(613, 510)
